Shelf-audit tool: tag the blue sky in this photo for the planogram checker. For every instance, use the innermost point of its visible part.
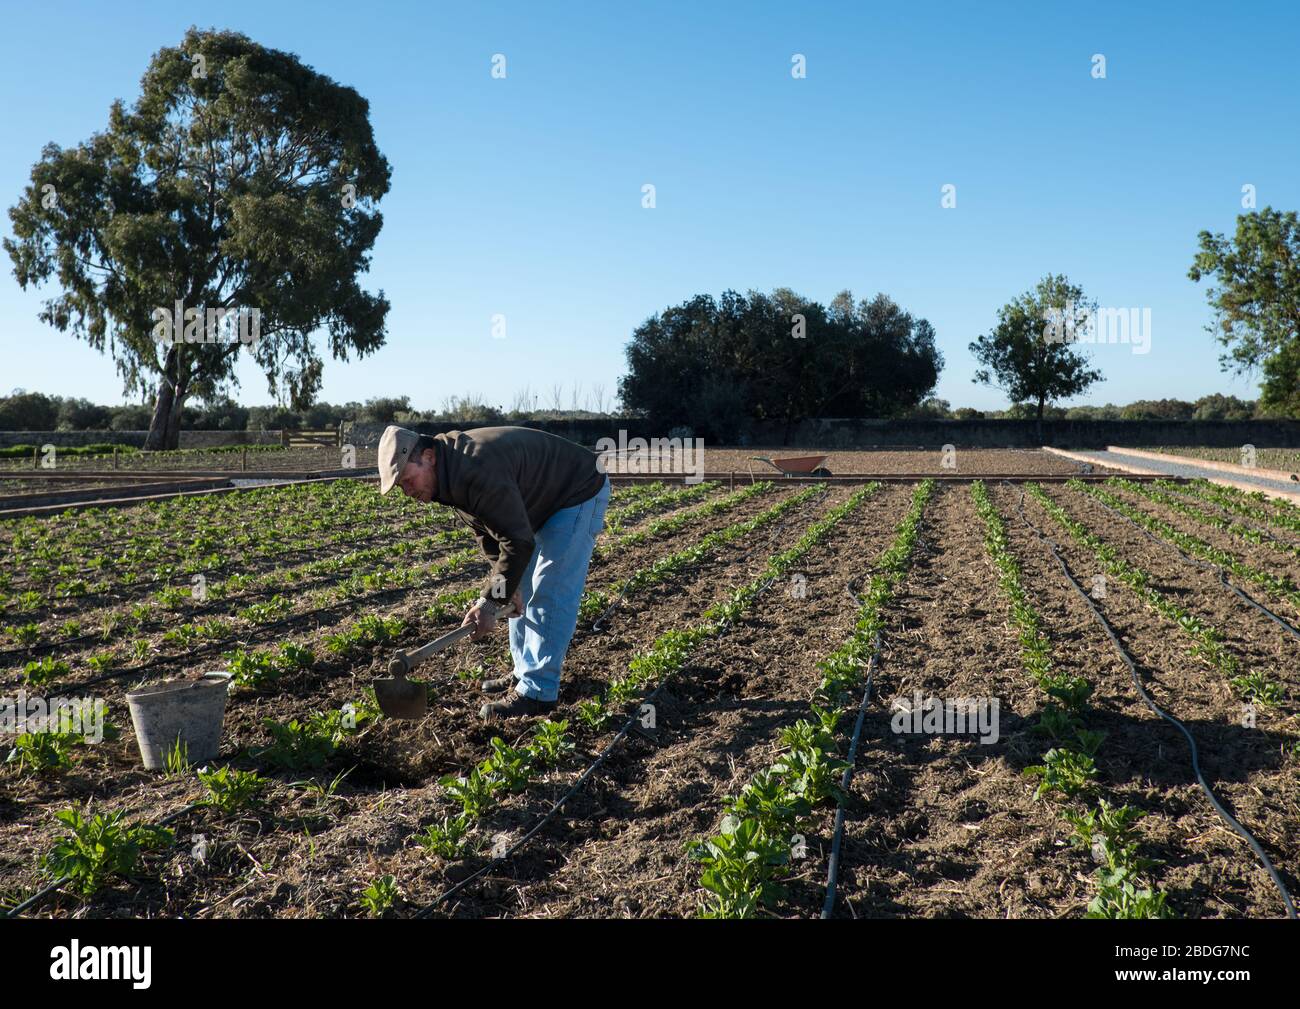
(522, 196)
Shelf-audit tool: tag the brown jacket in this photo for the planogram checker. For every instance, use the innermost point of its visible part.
(506, 482)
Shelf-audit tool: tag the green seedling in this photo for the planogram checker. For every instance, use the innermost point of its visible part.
(100, 848)
(1072, 691)
(767, 801)
(1256, 688)
(1118, 897)
(379, 896)
(184, 635)
(805, 735)
(252, 669)
(1063, 772)
(472, 674)
(322, 792)
(297, 746)
(172, 597)
(42, 752)
(1090, 740)
(176, 759)
(508, 766)
(230, 790)
(592, 714)
(447, 839)
(811, 774)
(740, 867)
(26, 634)
(474, 792)
(550, 743)
(1056, 724)
(43, 671)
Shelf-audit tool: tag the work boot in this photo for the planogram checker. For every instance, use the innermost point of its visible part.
(515, 706)
(497, 684)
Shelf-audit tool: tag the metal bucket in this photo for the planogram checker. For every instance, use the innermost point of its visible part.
(189, 710)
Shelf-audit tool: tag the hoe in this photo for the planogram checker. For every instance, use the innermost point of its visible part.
(402, 698)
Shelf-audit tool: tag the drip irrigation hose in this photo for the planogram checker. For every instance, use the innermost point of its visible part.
(1237, 517)
(549, 815)
(40, 896)
(833, 865)
(1215, 568)
(254, 634)
(258, 632)
(595, 624)
(216, 607)
(1146, 699)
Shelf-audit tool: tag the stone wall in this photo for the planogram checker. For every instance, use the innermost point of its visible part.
(930, 434)
(188, 439)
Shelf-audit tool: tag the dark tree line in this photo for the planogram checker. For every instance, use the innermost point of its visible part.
(719, 365)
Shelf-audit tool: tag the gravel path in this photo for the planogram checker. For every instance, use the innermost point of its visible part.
(1189, 470)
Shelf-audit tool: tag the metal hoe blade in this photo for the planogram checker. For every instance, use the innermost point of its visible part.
(399, 697)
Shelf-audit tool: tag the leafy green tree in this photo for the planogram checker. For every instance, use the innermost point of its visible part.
(1217, 406)
(719, 365)
(1028, 354)
(79, 414)
(240, 179)
(1257, 301)
(1280, 392)
(384, 409)
(1158, 409)
(28, 411)
(130, 418)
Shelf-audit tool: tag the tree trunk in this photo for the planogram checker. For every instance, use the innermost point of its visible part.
(165, 426)
(1039, 425)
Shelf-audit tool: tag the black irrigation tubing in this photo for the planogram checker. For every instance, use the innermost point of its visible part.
(1146, 699)
(385, 532)
(254, 634)
(833, 864)
(546, 817)
(215, 607)
(1240, 519)
(595, 624)
(40, 896)
(1215, 568)
(549, 815)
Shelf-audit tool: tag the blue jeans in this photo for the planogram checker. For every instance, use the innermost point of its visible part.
(552, 589)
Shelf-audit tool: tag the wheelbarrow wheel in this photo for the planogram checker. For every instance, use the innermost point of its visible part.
(821, 471)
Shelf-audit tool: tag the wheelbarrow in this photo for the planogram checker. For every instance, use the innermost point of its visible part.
(798, 465)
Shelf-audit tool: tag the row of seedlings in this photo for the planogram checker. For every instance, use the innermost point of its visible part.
(1068, 772)
(742, 865)
(509, 769)
(1278, 586)
(1253, 686)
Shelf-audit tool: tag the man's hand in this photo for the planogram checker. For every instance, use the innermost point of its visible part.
(483, 614)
